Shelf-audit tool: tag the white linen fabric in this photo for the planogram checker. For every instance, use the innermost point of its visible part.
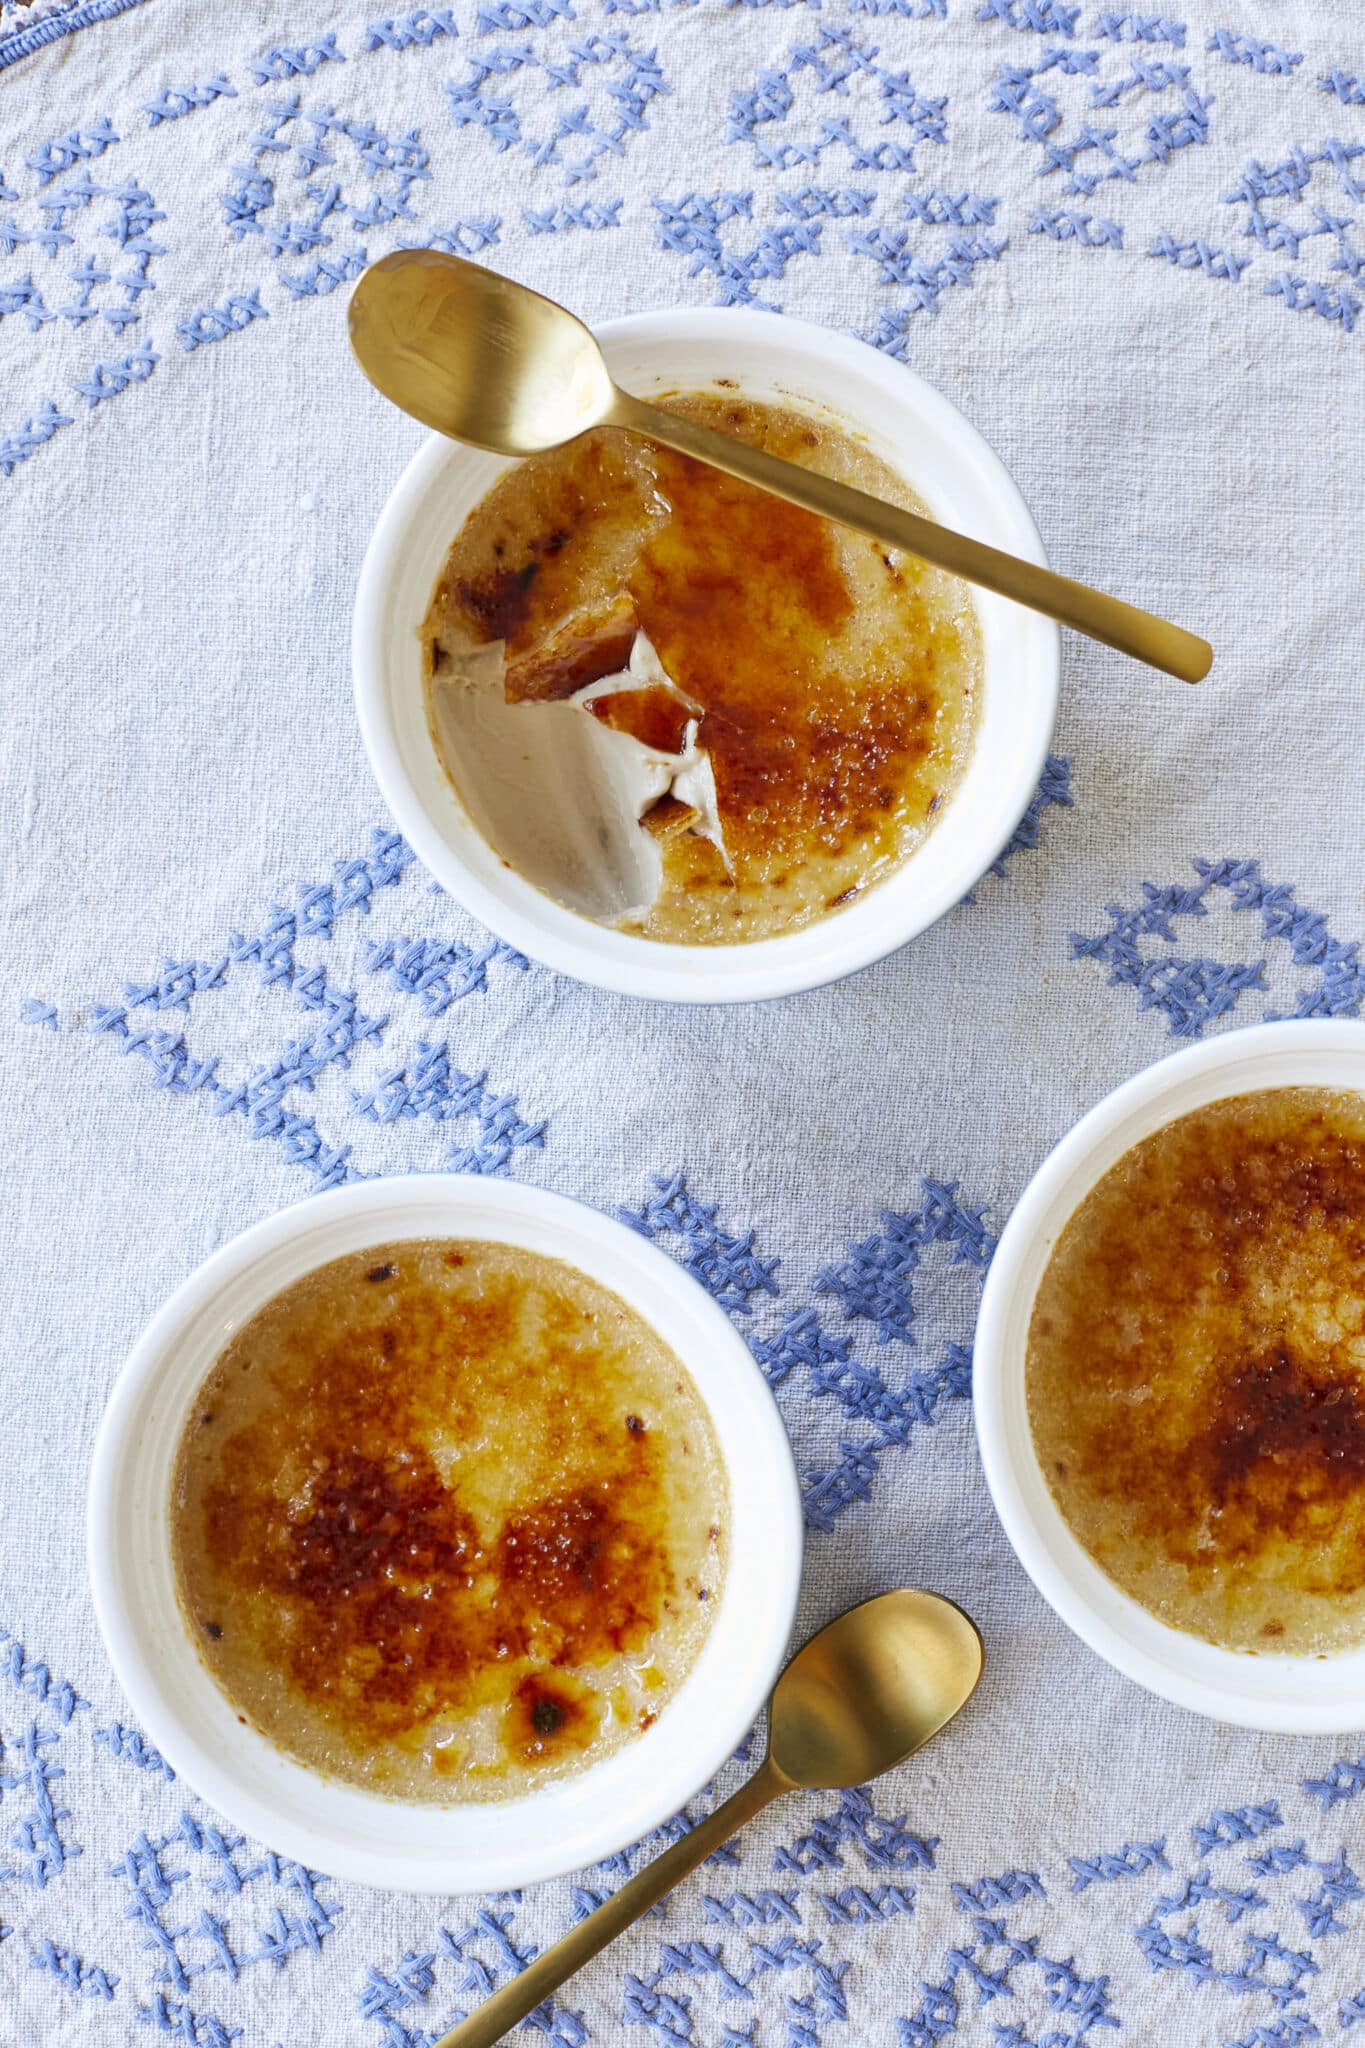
(1129, 244)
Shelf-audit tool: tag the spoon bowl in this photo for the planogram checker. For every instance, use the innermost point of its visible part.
(865, 1693)
(476, 356)
(871, 1688)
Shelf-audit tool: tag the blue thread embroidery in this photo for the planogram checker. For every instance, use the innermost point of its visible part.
(59, 154)
(1242, 49)
(1092, 153)
(1193, 993)
(322, 278)
(106, 380)
(173, 102)
(1064, 225)
(37, 1846)
(883, 1844)
(1199, 255)
(35, 1680)
(28, 39)
(1043, 17)
(857, 1905)
(621, 79)
(989, 1894)
(876, 1281)
(1141, 28)
(691, 226)
(1283, 213)
(130, 1747)
(1054, 788)
(132, 216)
(754, 1909)
(422, 27)
(438, 972)
(838, 64)
(213, 1944)
(199, 2030)
(496, 16)
(300, 61)
(431, 1087)
(1343, 1781)
(592, 215)
(1129, 1861)
(909, 10)
(728, 1267)
(215, 323)
(1347, 86)
(975, 1965)
(87, 1980)
(1239, 1824)
(1340, 1886)
(385, 1997)
(469, 237)
(926, 274)
(1306, 295)
(36, 1011)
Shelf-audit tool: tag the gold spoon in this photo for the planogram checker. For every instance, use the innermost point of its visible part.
(863, 1695)
(493, 363)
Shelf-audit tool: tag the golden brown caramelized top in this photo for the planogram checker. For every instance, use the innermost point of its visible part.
(452, 1499)
(1197, 1370)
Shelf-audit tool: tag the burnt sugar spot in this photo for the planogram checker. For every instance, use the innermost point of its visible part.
(499, 602)
(549, 1717)
(1283, 1447)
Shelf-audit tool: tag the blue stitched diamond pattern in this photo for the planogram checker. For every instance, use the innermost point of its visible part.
(572, 106)
(1305, 212)
(334, 1044)
(874, 1412)
(834, 105)
(1108, 111)
(310, 180)
(80, 249)
(211, 1907)
(1143, 950)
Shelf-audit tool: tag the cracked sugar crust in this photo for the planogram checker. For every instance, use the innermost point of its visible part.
(838, 682)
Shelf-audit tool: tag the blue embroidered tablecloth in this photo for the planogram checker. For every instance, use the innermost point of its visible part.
(1130, 244)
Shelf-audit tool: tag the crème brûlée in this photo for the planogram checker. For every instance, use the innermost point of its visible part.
(684, 706)
(449, 1520)
(1196, 1372)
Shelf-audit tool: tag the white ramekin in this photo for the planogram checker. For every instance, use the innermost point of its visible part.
(914, 429)
(349, 1833)
(1290, 1695)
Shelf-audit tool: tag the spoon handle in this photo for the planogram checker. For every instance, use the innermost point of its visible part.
(525, 1992)
(1141, 634)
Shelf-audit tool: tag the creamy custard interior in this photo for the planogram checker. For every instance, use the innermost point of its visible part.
(449, 1520)
(1196, 1372)
(797, 701)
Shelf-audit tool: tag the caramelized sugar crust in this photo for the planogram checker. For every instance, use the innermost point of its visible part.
(448, 1520)
(836, 681)
(1196, 1371)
